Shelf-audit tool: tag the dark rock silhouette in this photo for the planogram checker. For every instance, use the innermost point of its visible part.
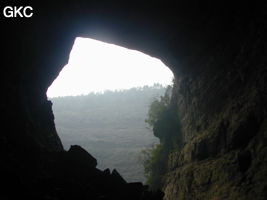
(78, 154)
(71, 175)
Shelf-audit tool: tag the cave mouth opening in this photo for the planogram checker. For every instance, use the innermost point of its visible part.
(101, 99)
(96, 66)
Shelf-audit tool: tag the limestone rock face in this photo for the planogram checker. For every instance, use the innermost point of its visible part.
(224, 150)
(223, 115)
(217, 51)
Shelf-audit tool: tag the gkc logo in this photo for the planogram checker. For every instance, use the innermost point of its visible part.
(21, 11)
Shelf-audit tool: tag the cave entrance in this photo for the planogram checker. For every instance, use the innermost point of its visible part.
(100, 102)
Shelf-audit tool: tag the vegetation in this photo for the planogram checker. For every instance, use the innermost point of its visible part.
(153, 162)
(111, 126)
(163, 120)
(158, 107)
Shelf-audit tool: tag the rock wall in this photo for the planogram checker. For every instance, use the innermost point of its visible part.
(222, 110)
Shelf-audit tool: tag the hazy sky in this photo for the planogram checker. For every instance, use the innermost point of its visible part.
(96, 66)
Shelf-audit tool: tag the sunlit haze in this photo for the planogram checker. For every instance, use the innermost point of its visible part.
(96, 66)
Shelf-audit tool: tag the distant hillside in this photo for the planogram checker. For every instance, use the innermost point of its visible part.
(111, 126)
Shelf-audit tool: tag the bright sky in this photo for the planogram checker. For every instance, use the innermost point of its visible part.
(96, 66)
